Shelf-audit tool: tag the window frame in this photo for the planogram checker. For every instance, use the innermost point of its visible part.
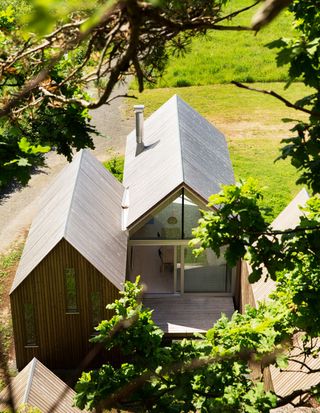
(69, 308)
(30, 318)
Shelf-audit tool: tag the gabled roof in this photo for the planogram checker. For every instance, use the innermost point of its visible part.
(288, 218)
(181, 149)
(295, 376)
(83, 206)
(37, 386)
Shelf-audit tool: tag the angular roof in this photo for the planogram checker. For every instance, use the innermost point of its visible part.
(295, 376)
(37, 386)
(181, 149)
(83, 206)
(288, 218)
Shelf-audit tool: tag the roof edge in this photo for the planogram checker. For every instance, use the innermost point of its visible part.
(81, 155)
(16, 285)
(177, 98)
(29, 382)
(183, 185)
(118, 285)
(78, 158)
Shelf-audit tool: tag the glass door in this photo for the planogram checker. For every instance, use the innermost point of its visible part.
(206, 273)
(156, 266)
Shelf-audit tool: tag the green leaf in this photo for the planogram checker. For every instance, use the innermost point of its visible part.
(282, 361)
(27, 147)
(23, 162)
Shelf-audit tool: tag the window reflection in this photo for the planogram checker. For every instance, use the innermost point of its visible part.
(173, 221)
(206, 273)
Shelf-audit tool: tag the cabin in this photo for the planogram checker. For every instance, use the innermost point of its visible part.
(73, 264)
(173, 163)
(36, 387)
(92, 233)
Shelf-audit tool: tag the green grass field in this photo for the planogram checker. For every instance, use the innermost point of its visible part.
(252, 124)
(223, 56)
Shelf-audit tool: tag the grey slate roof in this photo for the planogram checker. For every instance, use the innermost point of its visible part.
(37, 386)
(182, 148)
(83, 206)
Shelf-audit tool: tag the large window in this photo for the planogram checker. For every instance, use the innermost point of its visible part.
(30, 327)
(174, 221)
(71, 290)
(206, 273)
(169, 269)
(159, 252)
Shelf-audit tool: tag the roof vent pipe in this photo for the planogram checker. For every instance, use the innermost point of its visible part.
(138, 109)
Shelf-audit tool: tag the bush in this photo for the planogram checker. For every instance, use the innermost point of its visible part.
(115, 166)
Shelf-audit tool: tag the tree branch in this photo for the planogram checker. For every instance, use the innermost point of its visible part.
(279, 97)
(124, 63)
(237, 12)
(290, 397)
(269, 10)
(32, 84)
(287, 231)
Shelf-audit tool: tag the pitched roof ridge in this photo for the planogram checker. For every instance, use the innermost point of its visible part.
(35, 221)
(177, 99)
(80, 155)
(292, 207)
(29, 381)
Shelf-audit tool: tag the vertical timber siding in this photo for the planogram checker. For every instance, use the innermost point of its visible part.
(62, 339)
(246, 293)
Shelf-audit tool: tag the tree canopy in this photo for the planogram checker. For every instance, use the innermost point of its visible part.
(53, 53)
(45, 72)
(212, 373)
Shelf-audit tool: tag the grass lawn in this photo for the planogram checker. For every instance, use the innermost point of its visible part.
(253, 127)
(223, 56)
(8, 266)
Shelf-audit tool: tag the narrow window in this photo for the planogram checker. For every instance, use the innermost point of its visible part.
(96, 308)
(30, 327)
(71, 291)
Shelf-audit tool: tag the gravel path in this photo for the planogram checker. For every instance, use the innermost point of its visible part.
(18, 208)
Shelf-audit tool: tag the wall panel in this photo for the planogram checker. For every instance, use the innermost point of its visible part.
(62, 339)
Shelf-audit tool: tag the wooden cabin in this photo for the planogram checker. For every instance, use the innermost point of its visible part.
(36, 387)
(169, 174)
(92, 233)
(73, 264)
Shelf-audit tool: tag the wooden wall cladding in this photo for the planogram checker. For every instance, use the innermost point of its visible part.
(246, 293)
(62, 339)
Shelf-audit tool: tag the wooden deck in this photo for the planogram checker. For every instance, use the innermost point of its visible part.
(187, 314)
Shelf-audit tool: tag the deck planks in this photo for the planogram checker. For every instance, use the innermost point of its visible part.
(187, 314)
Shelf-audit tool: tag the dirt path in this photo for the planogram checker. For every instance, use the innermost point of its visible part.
(18, 208)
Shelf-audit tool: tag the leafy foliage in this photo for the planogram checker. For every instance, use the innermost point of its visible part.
(212, 373)
(237, 223)
(115, 166)
(51, 55)
(303, 57)
(209, 374)
(34, 128)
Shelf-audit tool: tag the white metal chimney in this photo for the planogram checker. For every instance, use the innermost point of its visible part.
(138, 110)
